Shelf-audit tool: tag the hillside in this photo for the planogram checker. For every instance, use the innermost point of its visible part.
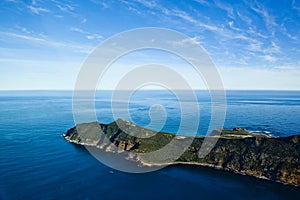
(237, 150)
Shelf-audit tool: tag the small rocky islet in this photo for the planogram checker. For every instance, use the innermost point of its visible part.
(237, 150)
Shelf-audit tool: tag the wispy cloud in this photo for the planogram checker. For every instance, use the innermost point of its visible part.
(203, 2)
(274, 48)
(232, 32)
(160, 10)
(269, 20)
(257, 44)
(33, 61)
(287, 33)
(65, 8)
(286, 67)
(23, 29)
(104, 4)
(148, 4)
(225, 7)
(295, 6)
(241, 34)
(256, 33)
(266, 51)
(13, 1)
(38, 40)
(183, 15)
(37, 10)
(190, 41)
(79, 30)
(245, 18)
(232, 26)
(23, 36)
(269, 58)
(134, 10)
(94, 36)
(88, 35)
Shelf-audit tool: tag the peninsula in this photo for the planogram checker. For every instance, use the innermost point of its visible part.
(237, 150)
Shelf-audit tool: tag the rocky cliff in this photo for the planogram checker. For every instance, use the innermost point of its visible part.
(237, 150)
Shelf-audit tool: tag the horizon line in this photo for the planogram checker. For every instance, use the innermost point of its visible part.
(58, 90)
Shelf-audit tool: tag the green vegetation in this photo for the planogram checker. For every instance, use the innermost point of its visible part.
(237, 150)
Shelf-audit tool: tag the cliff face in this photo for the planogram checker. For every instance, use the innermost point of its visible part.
(237, 150)
(277, 159)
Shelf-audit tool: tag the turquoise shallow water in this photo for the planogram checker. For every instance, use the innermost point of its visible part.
(36, 162)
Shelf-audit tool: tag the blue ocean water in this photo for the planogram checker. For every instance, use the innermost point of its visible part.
(36, 162)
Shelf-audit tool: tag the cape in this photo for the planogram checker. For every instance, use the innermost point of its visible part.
(237, 150)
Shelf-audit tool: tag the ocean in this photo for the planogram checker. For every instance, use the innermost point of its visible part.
(37, 163)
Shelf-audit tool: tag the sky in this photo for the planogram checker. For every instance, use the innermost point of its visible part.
(254, 44)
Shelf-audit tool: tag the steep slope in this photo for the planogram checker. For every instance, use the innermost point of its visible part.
(237, 150)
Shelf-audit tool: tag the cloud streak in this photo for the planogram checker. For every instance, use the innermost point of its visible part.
(36, 40)
(263, 12)
(242, 34)
(238, 37)
(88, 35)
(38, 10)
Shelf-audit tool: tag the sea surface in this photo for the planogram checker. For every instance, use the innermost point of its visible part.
(37, 163)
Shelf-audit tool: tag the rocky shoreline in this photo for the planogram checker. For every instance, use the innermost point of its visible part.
(237, 150)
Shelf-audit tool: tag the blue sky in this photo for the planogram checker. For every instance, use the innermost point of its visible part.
(254, 44)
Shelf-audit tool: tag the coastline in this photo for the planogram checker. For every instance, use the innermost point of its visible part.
(215, 168)
(238, 151)
(142, 163)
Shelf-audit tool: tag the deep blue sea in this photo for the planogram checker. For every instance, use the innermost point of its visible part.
(37, 163)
